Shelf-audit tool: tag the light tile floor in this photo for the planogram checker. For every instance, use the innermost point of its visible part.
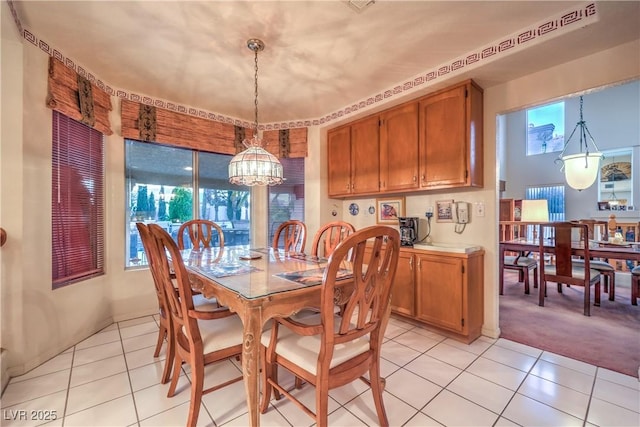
(112, 379)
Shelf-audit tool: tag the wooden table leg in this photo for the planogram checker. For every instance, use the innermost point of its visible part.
(250, 361)
(501, 269)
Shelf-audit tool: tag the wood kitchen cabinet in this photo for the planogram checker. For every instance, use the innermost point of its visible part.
(403, 287)
(353, 158)
(449, 292)
(441, 289)
(450, 125)
(399, 148)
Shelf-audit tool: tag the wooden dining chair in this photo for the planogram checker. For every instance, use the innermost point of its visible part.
(201, 233)
(598, 230)
(328, 350)
(329, 236)
(523, 265)
(201, 337)
(165, 329)
(293, 234)
(566, 269)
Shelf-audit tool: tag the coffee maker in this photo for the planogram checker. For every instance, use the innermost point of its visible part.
(408, 230)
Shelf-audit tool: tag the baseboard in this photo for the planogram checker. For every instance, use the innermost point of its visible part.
(4, 374)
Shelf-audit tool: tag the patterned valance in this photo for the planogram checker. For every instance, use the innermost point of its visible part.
(195, 133)
(176, 129)
(286, 143)
(78, 98)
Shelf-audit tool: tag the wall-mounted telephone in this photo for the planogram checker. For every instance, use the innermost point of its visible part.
(460, 212)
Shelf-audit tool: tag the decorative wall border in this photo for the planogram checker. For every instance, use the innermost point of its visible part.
(569, 20)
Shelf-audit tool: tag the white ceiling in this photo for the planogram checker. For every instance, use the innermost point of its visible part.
(320, 56)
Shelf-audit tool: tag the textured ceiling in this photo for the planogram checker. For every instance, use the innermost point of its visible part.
(320, 56)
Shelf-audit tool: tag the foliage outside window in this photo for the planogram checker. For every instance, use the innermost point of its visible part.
(77, 211)
(162, 188)
(545, 129)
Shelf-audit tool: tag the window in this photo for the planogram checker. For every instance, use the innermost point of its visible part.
(555, 198)
(545, 129)
(286, 201)
(168, 186)
(77, 201)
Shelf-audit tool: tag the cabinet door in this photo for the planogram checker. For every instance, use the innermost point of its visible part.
(339, 161)
(403, 288)
(365, 149)
(443, 139)
(399, 148)
(440, 291)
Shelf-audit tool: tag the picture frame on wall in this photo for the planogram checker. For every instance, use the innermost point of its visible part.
(603, 206)
(389, 209)
(444, 211)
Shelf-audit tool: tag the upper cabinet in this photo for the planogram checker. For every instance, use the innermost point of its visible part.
(399, 148)
(451, 138)
(429, 143)
(353, 159)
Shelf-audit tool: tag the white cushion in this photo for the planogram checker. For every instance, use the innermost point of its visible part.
(303, 350)
(203, 304)
(596, 265)
(577, 272)
(523, 261)
(636, 271)
(220, 333)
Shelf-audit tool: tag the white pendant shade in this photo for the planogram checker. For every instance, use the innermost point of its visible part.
(255, 166)
(581, 170)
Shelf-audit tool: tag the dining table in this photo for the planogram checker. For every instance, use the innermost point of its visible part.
(257, 284)
(621, 251)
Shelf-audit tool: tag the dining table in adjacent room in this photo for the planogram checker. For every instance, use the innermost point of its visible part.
(257, 284)
(524, 246)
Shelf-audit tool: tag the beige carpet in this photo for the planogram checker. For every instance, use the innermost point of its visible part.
(609, 338)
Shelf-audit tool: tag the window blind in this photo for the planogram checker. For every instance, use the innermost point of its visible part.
(77, 215)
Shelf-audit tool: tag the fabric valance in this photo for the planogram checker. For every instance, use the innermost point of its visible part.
(77, 98)
(147, 123)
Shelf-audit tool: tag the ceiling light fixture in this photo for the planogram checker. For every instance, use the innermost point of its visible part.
(581, 169)
(255, 165)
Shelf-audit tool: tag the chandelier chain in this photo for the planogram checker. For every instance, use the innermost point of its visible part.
(256, 93)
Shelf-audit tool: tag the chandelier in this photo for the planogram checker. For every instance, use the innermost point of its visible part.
(255, 165)
(581, 170)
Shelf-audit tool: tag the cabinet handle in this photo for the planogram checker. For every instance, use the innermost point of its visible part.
(348, 185)
(411, 263)
(423, 177)
(415, 178)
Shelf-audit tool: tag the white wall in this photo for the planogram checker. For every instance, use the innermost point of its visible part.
(612, 116)
(38, 323)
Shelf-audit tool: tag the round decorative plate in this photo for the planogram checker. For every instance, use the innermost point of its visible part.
(372, 210)
(354, 209)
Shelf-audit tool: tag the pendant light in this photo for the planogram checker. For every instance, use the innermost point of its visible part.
(581, 170)
(255, 165)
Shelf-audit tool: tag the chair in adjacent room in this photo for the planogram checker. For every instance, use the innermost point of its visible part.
(597, 230)
(329, 236)
(566, 269)
(201, 337)
(523, 265)
(293, 234)
(635, 285)
(328, 350)
(201, 234)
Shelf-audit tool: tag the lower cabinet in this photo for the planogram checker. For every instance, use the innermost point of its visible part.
(443, 290)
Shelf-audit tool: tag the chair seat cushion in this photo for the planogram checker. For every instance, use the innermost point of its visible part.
(203, 304)
(596, 265)
(303, 350)
(636, 271)
(220, 333)
(523, 261)
(577, 272)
